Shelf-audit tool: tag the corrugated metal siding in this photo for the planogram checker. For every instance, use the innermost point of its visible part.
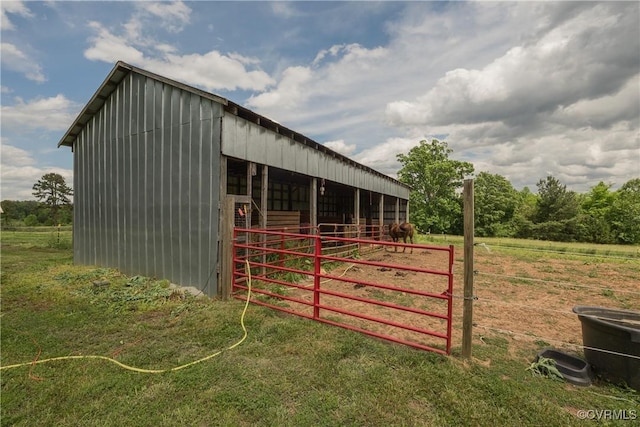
(246, 140)
(146, 170)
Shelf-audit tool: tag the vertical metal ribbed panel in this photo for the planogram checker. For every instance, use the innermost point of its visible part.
(146, 168)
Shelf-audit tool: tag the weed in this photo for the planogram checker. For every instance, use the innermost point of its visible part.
(129, 294)
(292, 277)
(545, 367)
(71, 277)
(498, 342)
(57, 242)
(278, 289)
(519, 281)
(608, 293)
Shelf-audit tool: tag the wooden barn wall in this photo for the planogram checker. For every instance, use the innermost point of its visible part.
(146, 172)
(249, 141)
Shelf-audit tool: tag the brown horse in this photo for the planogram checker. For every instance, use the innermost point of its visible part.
(403, 230)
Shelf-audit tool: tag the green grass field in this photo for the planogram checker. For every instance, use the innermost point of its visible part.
(620, 251)
(287, 372)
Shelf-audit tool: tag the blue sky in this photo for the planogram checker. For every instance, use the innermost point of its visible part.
(520, 89)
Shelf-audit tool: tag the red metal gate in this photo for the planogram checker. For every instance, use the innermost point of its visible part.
(369, 286)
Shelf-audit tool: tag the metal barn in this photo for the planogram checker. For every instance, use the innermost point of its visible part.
(154, 161)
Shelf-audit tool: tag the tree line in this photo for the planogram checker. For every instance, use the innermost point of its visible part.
(52, 205)
(553, 213)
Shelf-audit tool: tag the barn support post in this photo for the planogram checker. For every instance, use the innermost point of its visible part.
(313, 201)
(467, 312)
(226, 255)
(251, 172)
(223, 177)
(264, 189)
(397, 214)
(381, 217)
(406, 213)
(356, 212)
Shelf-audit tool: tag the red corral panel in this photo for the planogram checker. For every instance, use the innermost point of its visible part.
(394, 291)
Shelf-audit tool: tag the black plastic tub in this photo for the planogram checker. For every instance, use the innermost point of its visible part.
(616, 335)
(574, 370)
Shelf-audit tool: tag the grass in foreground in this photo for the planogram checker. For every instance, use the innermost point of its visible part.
(288, 372)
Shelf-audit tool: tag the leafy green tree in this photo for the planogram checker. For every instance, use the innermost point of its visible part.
(494, 205)
(31, 220)
(554, 202)
(527, 202)
(53, 191)
(434, 179)
(522, 221)
(624, 215)
(65, 215)
(594, 226)
(599, 200)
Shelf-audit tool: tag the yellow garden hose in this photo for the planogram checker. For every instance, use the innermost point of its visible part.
(152, 371)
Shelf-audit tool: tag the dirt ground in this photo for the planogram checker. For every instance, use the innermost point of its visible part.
(525, 299)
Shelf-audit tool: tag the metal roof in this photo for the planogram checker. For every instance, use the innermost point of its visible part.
(122, 69)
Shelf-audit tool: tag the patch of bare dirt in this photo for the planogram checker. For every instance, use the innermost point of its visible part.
(529, 301)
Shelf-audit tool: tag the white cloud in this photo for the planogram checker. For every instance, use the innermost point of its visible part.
(579, 157)
(623, 105)
(211, 70)
(511, 85)
(290, 92)
(283, 9)
(518, 88)
(14, 8)
(110, 48)
(19, 172)
(571, 62)
(173, 15)
(16, 156)
(383, 157)
(341, 147)
(52, 114)
(167, 16)
(553, 104)
(340, 91)
(243, 59)
(332, 51)
(16, 60)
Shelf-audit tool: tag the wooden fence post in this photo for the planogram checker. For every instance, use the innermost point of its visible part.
(467, 313)
(226, 257)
